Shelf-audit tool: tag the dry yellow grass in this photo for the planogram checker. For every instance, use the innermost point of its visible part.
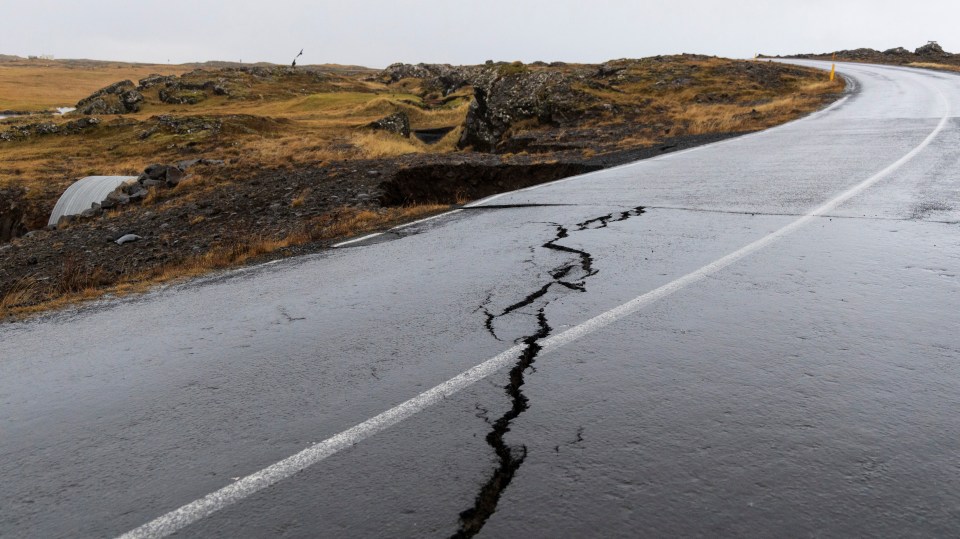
(300, 198)
(330, 130)
(41, 85)
(931, 65)
(699, 119)
(374, 145)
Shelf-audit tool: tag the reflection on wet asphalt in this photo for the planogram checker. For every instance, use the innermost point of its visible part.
(809, 388)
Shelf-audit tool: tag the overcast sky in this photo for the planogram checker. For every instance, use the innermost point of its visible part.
(376, 33)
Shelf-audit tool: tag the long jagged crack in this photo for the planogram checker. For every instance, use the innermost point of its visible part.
(605, 220)
(509, 459)
(586, 259)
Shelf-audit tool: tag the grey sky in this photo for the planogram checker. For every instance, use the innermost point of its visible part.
(378, 32)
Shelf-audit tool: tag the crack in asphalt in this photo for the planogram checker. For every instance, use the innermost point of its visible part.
(473, 519)
(510, 458)
(607, 219)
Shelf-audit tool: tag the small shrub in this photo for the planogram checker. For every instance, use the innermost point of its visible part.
(301, 198)
(514, 68)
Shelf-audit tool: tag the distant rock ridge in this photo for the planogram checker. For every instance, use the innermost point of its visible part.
(932, 52)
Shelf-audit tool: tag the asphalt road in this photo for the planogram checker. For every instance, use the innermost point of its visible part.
(757, 337)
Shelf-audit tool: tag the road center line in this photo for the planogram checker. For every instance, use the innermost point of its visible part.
(192, 512)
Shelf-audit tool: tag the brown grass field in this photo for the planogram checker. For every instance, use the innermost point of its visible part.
(35, 85)
(931, 65)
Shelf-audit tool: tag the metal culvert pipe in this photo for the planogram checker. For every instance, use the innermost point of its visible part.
(83, 193)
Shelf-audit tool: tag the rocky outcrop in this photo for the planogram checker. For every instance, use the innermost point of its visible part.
(932, 49)
(896, 51)
(931, 52)
(161, 175)
(118, 98)
(398, 124)
(502, 100)
(179, 125)
(503, 94)
(155, 80)
(189, 89)
(20, 132)
(442, 78)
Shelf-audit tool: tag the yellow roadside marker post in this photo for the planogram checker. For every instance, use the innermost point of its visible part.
(833, 71)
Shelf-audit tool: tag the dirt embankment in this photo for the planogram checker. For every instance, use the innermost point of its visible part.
(295, 160)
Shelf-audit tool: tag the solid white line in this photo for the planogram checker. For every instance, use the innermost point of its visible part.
(356, 240)
(398, 227)
(425, 219)
(247, 486)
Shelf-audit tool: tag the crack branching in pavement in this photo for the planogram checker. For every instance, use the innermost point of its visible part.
(510, 458)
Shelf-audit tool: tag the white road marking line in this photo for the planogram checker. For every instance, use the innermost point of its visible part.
(188, 514)
(398, 227)
(357, 240)
(425, 219)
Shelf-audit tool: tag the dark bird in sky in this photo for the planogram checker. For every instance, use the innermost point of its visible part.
(294, 64)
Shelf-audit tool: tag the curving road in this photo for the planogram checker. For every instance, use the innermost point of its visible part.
(757, 337)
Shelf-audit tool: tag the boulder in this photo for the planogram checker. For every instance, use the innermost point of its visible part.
(500, 100)
(931, 49)
(127, 238)
(131, 100)
(77, 126)
(398, 123)
(897, 51)
(118, 98)
(609, 69)
(161, 175)
(155, 80)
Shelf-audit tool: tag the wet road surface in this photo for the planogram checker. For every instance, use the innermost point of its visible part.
(757, 337)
